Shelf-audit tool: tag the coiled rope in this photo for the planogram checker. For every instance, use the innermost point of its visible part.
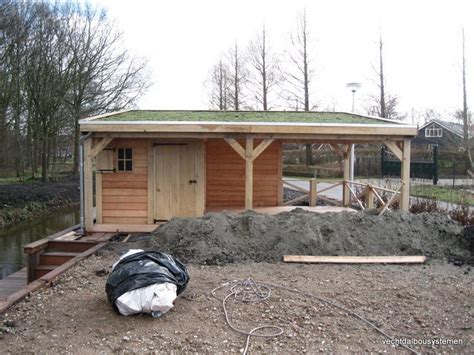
(250, 291)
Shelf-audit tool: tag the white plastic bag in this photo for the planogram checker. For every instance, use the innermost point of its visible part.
(155, 299)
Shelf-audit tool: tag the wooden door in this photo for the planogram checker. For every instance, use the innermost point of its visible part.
(179, 180)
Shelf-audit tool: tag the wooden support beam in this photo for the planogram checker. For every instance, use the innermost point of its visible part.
(395, 149)
(236, 146)
(415, 259)
(280, 173)
(99, 146)
(261, 147)
(345, 190)
(88, 185)
(248, 173)
(405, 175)
(313, 192)
(336, 148)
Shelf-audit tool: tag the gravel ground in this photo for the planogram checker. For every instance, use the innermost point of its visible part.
(432, 301)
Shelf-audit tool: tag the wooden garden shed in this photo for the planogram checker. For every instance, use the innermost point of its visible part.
(145, 167)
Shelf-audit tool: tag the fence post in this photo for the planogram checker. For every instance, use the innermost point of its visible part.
(370, 197)
(313, 185)
(435, 164)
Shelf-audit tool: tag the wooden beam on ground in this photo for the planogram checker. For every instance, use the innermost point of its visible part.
(248, 173)
(415, 259)
(99, 146)
(395, 149)
(88, 185)
(405, 175)
(236, 146)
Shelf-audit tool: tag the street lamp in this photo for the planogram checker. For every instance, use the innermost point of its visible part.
(354, 86)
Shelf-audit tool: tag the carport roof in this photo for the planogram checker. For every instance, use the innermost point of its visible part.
(245, 122)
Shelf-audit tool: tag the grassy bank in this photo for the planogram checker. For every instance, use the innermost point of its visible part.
(27, 201)
(457, 195)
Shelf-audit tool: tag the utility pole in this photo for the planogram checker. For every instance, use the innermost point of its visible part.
(354, 86)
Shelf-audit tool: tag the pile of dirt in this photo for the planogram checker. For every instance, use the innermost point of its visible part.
(220, 238)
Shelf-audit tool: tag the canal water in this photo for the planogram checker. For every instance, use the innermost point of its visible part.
(12, 239)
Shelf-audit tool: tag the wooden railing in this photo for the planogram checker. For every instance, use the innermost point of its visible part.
(362, 199)
(365, 198)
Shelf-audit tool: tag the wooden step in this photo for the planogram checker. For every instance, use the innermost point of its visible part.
(56, 257)
(42, 270)
(76, 246)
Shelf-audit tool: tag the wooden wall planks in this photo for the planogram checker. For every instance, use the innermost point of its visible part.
(125, 194)
(225, 175)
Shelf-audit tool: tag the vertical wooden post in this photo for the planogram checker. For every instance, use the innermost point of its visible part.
(313, 186)
(88, 188)
(150, 181)
(32, 262)
(370, 197)
(248, 173)
(280, 173)
(405, 174)
(347, 168)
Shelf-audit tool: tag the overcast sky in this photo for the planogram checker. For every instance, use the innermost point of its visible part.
(422, 46)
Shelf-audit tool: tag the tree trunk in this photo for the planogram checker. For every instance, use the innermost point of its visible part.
(75, 167)
(44, 156)
(465, 112)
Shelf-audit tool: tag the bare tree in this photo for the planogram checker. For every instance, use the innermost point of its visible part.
(238, 77)
(265, 72)
(103, 76)
(383, 104)
(300, 73)
(466, 117)
(58, 62)
(219, 86)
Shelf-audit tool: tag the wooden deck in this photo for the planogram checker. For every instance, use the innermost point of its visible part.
(47, 259)
(12, 283)
(279, 209)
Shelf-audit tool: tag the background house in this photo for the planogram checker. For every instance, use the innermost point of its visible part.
(447, 135)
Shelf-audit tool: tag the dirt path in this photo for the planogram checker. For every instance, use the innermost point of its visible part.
(433, 301)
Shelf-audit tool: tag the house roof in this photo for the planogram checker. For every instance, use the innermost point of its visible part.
(453, 127)
(255, 122)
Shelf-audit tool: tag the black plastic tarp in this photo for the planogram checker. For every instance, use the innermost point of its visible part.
(143, 269)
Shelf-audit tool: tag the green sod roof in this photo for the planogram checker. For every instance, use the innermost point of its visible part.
(242, 116)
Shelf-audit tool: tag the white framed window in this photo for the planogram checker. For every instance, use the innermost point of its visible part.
(433, 132)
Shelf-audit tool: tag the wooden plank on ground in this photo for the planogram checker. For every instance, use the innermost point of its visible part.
(395, 259)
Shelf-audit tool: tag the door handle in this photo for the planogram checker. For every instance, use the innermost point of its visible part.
(192, 182)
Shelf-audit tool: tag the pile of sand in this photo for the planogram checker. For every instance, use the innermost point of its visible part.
(220, 238)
